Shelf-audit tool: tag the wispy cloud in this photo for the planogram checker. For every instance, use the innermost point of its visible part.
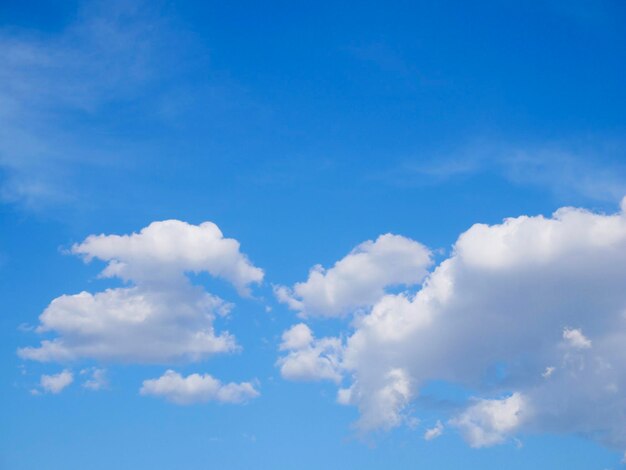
(57, 90)
(592, 171)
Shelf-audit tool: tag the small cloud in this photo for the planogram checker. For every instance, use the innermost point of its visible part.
(434, 432)
(576, 339)
(308, 358)
(411, 422)
(98, 379)
(196, 388)
(57, 382)
(548, 372)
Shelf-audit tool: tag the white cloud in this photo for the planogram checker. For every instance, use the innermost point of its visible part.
(384, 407)
(165, 251)
(196, 388)
(131, 325)
(97, 380)
(490, 422)
(309, 359)
(434, 432)
(297, 337)
(360, 278)
(576, 339)
(162, 317)
(491, 317)
(57, 382)
(548, 372)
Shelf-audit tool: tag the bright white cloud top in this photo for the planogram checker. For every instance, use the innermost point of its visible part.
(161, 316)
(308, 358)
(196, 388)
(164, 251)
(360, 278)
(489, 422)
(528, 315)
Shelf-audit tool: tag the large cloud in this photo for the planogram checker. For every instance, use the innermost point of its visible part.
(161, 316)
(528, 315)
(360, 278)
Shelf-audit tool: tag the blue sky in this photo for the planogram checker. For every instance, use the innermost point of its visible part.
(373, 258)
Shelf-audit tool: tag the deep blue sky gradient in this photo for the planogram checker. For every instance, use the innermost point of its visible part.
(301, 130)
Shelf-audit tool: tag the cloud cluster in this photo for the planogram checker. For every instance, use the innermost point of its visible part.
(196, 388)
(360, 278)
(528, 315)
(161, 317)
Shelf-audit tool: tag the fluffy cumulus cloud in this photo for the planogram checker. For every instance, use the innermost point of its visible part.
(160, 316)
(307, 358)
(382, 405)
(56, 383)
(360, 278)
(528, 315)
(489, 422)
(196, 388)
(164, 251)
